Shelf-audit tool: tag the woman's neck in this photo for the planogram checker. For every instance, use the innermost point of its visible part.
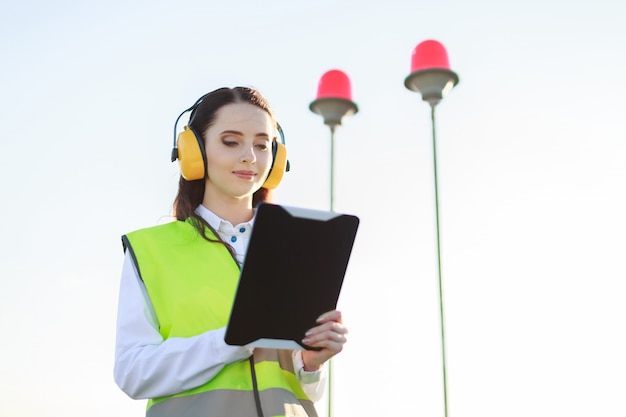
(236, 211)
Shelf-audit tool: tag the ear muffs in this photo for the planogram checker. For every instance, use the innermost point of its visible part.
(189, 150)
(191, 155)
(279, 165)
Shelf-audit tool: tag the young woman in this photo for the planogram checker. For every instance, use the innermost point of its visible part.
(179, 280)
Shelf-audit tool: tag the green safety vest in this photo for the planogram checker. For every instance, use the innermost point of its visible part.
(192, 283)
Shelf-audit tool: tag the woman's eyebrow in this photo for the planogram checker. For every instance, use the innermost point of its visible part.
(231, 132)
(238, 133)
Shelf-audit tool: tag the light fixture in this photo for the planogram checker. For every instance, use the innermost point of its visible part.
(334, 103)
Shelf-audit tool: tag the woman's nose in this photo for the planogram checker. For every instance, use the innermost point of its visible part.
(248, 156)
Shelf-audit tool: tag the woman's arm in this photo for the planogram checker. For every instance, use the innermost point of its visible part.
(313, 383)
(146, 366)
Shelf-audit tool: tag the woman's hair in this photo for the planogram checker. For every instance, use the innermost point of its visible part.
(191, 193)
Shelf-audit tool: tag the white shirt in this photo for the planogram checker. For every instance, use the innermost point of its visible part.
(147, 366)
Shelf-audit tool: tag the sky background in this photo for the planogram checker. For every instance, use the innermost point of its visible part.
(532, 173)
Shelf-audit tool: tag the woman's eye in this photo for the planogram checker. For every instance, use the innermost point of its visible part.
(229, 143)
(261, 146)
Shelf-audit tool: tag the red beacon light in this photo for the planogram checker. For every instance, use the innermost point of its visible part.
(334, 98)
(430, 72)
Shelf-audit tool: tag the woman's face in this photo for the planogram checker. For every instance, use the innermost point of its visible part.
(238, 150)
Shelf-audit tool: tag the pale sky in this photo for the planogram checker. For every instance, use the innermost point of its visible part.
(531, 151)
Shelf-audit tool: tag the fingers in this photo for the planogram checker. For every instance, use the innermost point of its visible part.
(329, 334)
(331, 343)
(333, 315)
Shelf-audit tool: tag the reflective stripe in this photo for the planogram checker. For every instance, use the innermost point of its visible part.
(225, 403)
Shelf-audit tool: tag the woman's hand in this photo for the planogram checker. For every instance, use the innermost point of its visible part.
(330, 335)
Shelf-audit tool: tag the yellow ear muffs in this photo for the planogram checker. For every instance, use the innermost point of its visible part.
(189, 150)
(190, 155)
(279, 166)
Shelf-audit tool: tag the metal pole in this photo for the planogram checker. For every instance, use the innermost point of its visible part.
(332, 208)
(332, 168)
(441, 315)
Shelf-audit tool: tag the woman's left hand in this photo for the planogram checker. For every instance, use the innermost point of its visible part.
(330, 335)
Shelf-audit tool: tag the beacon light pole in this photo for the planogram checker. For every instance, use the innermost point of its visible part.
(432, 78)
(333, 102)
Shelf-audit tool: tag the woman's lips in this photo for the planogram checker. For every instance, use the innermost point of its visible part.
(244, 174)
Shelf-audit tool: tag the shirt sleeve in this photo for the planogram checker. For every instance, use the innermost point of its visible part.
(313, 383)
(146, 365)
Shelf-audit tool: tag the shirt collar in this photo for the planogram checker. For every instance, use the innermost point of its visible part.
(219, 224)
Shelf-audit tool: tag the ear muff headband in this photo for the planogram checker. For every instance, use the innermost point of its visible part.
(189, 150)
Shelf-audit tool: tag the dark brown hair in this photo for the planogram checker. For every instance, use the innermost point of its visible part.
(191, 193)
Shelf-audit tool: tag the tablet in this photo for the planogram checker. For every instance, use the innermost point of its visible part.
(292, 273)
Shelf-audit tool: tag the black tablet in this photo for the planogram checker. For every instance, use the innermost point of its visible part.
(292, 273)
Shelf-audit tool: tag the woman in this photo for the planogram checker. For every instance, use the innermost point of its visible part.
(179, 279)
